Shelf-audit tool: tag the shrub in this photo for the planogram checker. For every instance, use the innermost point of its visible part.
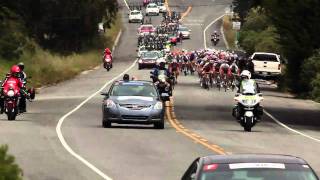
(9, 170)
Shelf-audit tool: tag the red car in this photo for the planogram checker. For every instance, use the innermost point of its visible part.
(146, 29)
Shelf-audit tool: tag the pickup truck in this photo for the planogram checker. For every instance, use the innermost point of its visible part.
(266, 64)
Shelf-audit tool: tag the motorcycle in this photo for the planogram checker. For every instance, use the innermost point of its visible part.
(11, 97)
(107, 63)
(248, 110)
(163, 86)
(215, 40)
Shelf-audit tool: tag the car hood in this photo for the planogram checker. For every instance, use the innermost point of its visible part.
(134, 100)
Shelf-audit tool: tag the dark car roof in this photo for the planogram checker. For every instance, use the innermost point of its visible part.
(252, 158)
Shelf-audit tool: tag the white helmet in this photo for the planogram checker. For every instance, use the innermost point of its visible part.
(246, 73)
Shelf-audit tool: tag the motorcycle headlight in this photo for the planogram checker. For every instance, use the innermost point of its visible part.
(158, 106)
(10, 93)
(109, 103)
(249, 102)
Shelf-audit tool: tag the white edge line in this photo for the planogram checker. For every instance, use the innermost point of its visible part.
(61, 120)
(224, 37)
(206, 28)
(290, 129)
(126, 4)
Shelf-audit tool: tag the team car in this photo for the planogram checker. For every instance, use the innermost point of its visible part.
(186, 33)
(135, 16)
(146, 29)
(249, 166)
(152, 9)
(148, 59)
(132, 102)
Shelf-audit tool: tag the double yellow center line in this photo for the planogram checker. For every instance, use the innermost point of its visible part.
(183, 15)
(171, 117)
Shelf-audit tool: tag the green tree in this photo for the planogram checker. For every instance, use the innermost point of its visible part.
(9, 170)
(242, 7)
(297, 23)
(12, 39)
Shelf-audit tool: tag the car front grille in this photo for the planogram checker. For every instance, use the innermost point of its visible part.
(134, 106)
(130, 117)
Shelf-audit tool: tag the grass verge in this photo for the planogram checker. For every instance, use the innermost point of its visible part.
(48, 68)
(229, 33)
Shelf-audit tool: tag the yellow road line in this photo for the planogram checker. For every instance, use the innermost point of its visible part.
(196, 138)
(186, 13)
(166, 3)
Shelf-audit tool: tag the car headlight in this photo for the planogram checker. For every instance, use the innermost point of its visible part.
(109, 103)
(10, 93)
(158, 106)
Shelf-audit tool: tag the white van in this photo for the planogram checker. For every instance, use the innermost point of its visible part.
(266, 64)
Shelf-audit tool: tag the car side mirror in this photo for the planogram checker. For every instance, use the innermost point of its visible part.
(260, 94)
(237, 95)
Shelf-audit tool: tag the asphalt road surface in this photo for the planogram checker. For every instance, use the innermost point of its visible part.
(141, 152)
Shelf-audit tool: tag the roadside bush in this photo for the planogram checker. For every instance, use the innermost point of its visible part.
(9, 170)
(315, 84)
(309, 74)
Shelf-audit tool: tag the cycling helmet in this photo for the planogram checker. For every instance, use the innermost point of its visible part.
(21, 66)
(245, 73)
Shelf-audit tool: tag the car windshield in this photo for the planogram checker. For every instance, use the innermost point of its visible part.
(278, 172)
(134, 89)
(265, 57)
(183, 29)
(150, 54)
(152, 6)
(135, 13)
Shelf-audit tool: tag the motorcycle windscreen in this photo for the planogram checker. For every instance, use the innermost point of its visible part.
(248, 87)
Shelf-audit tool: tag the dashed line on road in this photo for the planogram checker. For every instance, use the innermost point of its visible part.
(171, 117)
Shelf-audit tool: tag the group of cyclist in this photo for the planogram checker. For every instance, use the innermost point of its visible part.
(213, 66)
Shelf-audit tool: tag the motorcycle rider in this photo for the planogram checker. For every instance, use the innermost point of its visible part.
(14, 74)
(23, 75)
(107, 52)
(246, 85)
(160, 67)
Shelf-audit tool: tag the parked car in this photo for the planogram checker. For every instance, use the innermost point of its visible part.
(266, 64)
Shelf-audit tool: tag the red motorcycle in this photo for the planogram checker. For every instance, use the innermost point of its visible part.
(11, 95)
(107, 62)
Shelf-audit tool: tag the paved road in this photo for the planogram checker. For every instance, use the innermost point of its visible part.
(140, 152)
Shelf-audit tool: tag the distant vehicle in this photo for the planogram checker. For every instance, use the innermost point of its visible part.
(148, 59)
(186, 33)
(249, 166)
(162, 8)
(266, 64)
(152, 9)
(133, 102)
(141, 50)
(146, 29)
(135, 16)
